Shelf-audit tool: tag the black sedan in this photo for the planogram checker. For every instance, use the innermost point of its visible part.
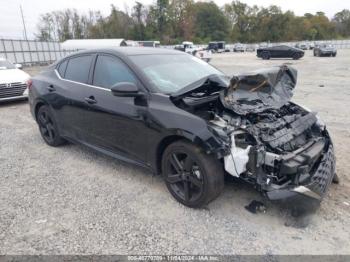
(281, 51)
(180, 117)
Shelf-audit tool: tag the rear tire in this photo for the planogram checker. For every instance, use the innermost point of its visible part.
(193, 177)
(48, 127)
(265, 55)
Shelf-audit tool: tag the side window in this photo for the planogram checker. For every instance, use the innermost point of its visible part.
(62, 68)
(78, 69)
(110, 71)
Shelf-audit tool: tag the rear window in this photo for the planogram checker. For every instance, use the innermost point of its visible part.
(283, 47)
(78, 69)
(62, 68)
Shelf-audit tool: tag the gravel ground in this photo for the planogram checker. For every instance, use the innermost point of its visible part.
(70, 200)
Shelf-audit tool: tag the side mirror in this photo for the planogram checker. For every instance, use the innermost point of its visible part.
(18, 66)
(125, 89)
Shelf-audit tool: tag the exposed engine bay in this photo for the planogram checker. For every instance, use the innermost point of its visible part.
(278, 146)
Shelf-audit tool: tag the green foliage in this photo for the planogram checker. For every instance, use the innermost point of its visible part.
(174, 21)
(210, 22)
(139, 17)
(342, 22)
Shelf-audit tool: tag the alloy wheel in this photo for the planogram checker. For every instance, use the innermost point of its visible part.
(266, 56)
(184, 177)
(46, 126)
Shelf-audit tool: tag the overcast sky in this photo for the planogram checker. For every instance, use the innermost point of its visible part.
(11, 23)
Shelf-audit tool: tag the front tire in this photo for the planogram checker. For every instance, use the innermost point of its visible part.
(48, 128)
(193, 177)
(296, 56)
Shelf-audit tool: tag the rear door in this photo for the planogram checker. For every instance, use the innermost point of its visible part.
(273, 52)
(116, 124)
(285, 51)
(276, 51)
(69, 95)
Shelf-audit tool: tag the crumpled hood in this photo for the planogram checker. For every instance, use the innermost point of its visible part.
(254, 92)
(207, 85)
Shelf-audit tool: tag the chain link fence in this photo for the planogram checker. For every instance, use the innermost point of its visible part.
(31, 52)
(339, 44)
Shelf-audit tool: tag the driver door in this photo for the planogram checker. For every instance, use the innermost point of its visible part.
(117, 124)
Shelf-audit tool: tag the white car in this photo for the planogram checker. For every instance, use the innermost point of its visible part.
(13, 81)
(205, 55)
(238, 48)
(190, 48)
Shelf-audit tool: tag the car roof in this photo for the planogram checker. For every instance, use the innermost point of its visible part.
(132, 51)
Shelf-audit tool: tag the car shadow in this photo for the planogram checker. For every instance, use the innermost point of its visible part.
(13, 103)
(235, 198)
(278, 59)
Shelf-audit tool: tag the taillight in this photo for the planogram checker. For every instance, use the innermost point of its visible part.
(29, 83)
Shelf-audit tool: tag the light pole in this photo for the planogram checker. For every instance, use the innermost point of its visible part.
(24, 24)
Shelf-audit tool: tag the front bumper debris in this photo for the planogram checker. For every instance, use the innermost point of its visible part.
(315, 189)
(324, 174)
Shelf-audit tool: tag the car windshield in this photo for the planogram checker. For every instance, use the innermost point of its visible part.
(171, 73)
(6, 65)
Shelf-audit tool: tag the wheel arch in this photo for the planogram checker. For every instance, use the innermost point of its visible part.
(266, 54)
(211, 146)
(297, 55)
(163, 144)
(39, 104)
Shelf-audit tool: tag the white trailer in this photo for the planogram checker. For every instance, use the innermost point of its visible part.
(82, 44)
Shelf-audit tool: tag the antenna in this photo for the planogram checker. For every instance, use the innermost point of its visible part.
(24, 24)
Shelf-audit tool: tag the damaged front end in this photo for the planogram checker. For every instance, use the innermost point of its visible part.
(281, 148)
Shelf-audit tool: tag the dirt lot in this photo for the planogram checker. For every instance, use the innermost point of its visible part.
(70, 200)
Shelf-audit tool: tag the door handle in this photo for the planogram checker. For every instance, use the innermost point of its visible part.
(51, 88)
(90, 100)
